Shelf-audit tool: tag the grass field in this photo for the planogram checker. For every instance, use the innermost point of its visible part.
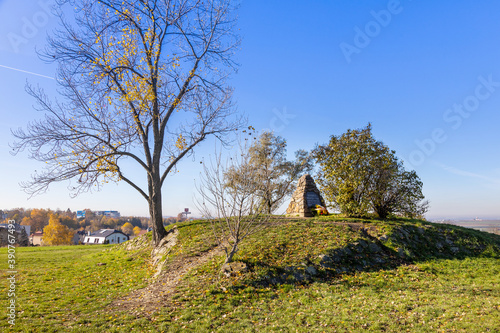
(382, 276)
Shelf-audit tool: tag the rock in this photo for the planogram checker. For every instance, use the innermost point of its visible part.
(311, 270)
(358, 247)
(363, 243)
(379, 260)
(324, 257)
(326, 261)
(372, 232)
(306, 189)
(405, 233)
(158, 253)
(337, 258)
(299, 276)
(166, 243)
(101, 263)
(233, 268)
(374, 248)
(383, 238)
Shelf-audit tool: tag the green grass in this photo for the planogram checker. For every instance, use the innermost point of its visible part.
(61, 288)
(421, 277)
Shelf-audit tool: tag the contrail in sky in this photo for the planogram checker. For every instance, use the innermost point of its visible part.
(20, 70)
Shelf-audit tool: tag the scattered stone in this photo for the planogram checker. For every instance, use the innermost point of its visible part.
(363, 243)
(326, 261)
(324, 257)
(448, 241)
(379, 260)
(305, 196)
(338, 258)
(311, 270)
(101, 263)
(357, 247)
(374, 248)
(371, 231)
(405, 233)
(299, 276)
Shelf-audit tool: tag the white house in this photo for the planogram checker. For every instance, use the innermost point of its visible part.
(106, 236)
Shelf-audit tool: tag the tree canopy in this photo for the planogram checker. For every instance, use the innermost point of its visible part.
(140, 80)
(127, 228)
(359, 174)
(57, 234)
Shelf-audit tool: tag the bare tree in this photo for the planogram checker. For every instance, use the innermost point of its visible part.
(140, 80)
(274, 173)
(232, 209)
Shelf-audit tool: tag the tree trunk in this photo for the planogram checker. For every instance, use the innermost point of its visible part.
(269, 206)
(381, 211)
(155, 209)
(230, 255)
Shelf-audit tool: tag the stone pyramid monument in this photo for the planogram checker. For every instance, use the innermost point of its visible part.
(305, 196)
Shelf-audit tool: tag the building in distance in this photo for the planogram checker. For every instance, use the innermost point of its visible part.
(80, 214)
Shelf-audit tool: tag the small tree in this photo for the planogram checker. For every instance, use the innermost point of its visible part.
(137, 230)
(56, 233)
(127, 228)
(274, 175)
(231, 207)
(359, 174)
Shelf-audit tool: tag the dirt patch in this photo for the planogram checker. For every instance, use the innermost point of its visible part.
(146, 301)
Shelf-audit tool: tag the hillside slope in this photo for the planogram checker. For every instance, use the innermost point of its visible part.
(326, 274)
(376, 273)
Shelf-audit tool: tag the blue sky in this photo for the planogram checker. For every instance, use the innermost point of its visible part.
(425, 74)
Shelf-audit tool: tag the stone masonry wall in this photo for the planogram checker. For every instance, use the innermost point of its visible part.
(298, 204)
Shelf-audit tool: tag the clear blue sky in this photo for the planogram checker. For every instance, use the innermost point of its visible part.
(426, 74)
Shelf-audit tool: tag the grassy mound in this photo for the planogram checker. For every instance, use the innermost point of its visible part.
(313, 275)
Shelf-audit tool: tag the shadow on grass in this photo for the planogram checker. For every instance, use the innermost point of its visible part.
(403, 245)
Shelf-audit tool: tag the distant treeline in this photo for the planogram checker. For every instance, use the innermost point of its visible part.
(38, 219)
